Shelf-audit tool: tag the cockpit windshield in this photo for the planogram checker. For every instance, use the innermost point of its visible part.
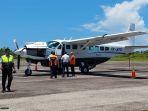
(52, 44)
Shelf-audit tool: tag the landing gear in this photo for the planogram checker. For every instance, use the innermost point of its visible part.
(84, 68)
(28, 71)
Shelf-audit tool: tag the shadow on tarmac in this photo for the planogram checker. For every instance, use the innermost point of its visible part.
(109, 73)
(105, 74)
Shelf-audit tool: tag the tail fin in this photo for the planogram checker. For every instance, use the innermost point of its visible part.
(132, 27)
(132, 40)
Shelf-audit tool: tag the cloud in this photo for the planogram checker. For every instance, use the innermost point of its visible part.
(118, 17)
(121, 15)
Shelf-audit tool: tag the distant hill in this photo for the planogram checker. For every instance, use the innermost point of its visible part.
(136, 56)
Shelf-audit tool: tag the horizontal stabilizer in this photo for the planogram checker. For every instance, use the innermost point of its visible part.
(129, 49)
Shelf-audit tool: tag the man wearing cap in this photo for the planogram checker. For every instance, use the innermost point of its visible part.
(7, 67)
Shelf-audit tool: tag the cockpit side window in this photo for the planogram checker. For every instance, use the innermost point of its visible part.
(60, 46)
(52, 44)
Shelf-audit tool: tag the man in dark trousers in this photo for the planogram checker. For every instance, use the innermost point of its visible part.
(65, 64)
(53, 62)
(7, 67)
(72, 63)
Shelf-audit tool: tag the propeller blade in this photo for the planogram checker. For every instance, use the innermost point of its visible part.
(16, 44)
(18, 61)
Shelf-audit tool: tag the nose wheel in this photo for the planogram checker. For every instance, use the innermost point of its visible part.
(84, 68)
(28, 71)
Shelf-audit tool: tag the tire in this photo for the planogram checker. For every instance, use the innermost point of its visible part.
(84, 70)
(28, 72)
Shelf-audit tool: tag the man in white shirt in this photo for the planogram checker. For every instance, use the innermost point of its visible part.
(65, 63)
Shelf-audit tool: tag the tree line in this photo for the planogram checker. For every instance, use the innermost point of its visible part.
(9, 50)
(135, 56)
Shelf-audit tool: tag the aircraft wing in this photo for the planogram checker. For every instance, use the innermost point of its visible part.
(98, 40)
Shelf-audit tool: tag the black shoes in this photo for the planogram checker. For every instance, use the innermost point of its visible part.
(3, 91)
(8, 90)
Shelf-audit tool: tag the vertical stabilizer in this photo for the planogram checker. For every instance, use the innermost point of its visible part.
(132, 40)
(132, 27)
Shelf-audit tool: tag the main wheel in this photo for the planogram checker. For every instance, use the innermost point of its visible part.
(84, 69)
(28, 72)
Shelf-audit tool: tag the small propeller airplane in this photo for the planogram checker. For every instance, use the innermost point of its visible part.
(88, 51)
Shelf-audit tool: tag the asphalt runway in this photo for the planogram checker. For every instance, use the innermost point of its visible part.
(110, 76)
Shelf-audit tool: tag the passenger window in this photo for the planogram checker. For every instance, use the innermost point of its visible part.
(74, 46)
(91, 48)
(101, 48)
(106, 48)
(67, 46)
(96, 48)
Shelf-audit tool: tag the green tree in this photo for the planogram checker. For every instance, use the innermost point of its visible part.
(7, 48)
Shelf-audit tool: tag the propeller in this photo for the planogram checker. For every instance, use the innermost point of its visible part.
(18, 57)
(18, 62)
(17, 47)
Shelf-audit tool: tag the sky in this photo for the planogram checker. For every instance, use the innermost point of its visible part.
(45, 20)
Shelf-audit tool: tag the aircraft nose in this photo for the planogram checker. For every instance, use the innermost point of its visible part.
(18, 51)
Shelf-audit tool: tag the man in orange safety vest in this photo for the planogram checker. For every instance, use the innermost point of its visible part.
(53, 63)
(72, 63)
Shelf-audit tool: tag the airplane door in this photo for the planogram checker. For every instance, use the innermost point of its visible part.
(58, 51)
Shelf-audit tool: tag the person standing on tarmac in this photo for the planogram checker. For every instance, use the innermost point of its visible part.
(72, 63)
(7, 67)
(65, 64)
(60, 66)
(53, 62)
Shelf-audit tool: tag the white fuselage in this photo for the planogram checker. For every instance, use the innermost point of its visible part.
(41, 50)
